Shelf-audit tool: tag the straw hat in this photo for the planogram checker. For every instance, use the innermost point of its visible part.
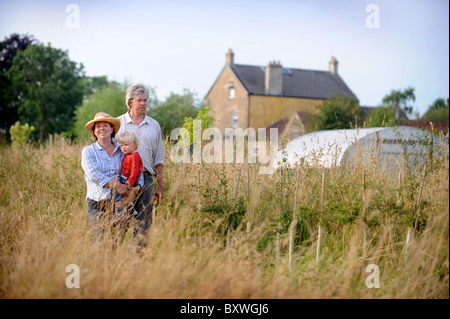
(103, 117)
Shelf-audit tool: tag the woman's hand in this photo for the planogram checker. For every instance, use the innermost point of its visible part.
(122, 189)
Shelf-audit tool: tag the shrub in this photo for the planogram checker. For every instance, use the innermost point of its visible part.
(20, 134)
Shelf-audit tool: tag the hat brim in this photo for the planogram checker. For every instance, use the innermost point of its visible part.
(113, 121)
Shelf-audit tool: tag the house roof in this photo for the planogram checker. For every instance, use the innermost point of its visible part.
(296, 82)
(282, 123)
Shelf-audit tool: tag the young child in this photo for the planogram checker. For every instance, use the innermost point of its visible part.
(132, 167)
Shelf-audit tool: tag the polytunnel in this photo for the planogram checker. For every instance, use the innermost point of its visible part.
(389, 146)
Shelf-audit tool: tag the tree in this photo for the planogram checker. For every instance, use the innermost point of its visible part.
(109, 98)
(48, 88)
(8, 51)
(337, 113)
(203, 116)
(20, 134)
(400, 99)
(438, 111)
(10, 46)
(94, 83)
(381, 116)
(171, 113)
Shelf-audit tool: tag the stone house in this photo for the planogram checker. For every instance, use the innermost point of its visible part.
(257, 96)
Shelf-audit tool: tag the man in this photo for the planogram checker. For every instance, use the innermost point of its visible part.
(151, 151)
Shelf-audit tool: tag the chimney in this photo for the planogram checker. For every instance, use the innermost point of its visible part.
(333, 66)
(230, 57)
(274, 78)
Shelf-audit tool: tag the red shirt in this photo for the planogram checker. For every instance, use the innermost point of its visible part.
(132, 167)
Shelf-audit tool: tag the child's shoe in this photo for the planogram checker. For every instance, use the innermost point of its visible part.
(132, 211)
(118, 215)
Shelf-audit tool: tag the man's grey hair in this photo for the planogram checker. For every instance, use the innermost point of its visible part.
(135, 89)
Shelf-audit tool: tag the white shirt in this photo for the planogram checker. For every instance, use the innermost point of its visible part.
(99, 169)
(150, 146)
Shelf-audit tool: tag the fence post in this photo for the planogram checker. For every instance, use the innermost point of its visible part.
(319, 236)
(293, 224)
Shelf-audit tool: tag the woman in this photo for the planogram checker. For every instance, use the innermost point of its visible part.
(101, 162)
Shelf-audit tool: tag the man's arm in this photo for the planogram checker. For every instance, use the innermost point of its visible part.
(159, 194)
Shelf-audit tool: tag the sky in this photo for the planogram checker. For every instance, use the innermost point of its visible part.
(381, 45)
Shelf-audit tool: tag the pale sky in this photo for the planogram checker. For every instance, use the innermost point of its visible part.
(171, 45)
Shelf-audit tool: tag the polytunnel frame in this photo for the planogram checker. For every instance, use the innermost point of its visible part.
(411, 140)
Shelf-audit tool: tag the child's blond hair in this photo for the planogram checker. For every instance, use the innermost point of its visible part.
(128, 137)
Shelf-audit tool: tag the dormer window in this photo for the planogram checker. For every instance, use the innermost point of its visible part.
(231, 90)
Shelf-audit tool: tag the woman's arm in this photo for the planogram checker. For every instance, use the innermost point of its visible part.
(94, 173)
(91, 167)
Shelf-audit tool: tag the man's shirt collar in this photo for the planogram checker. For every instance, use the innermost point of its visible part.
(129, 120)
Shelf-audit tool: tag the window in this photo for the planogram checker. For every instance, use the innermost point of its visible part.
(231, 90)
(234, 119)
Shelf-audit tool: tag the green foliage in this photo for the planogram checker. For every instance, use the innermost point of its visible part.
(95, 83)
(203, 116)
(48, 88)
(382, 116)
(109, 98)
(170, 114)
(337, 113)
(8, 110)
(219, 203)
(20, 134)
(8, 51)
(10, 46)
(400, 99)
(438, 111)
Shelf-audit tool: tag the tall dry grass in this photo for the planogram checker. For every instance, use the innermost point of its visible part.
(222, 231)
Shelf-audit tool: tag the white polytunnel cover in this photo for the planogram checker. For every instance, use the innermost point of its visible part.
(384, 145)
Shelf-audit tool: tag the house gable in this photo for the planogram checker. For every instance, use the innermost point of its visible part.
(228, 111)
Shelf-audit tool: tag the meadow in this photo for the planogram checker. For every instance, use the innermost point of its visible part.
(225, 231)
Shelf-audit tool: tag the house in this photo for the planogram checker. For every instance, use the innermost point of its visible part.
(290, 128)
(252, 96)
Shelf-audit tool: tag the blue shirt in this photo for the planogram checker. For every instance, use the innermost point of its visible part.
(99, 169)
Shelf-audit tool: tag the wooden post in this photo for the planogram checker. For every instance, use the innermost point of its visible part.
(319, 236)
(408, 243)
(199, 206)
(319, 243)
(419, 199)
(365, 241)
(293, 223)
(277, 248)
(237, 189)
(410, 228)
(399, 184)
(364, 186)
(365, 224)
